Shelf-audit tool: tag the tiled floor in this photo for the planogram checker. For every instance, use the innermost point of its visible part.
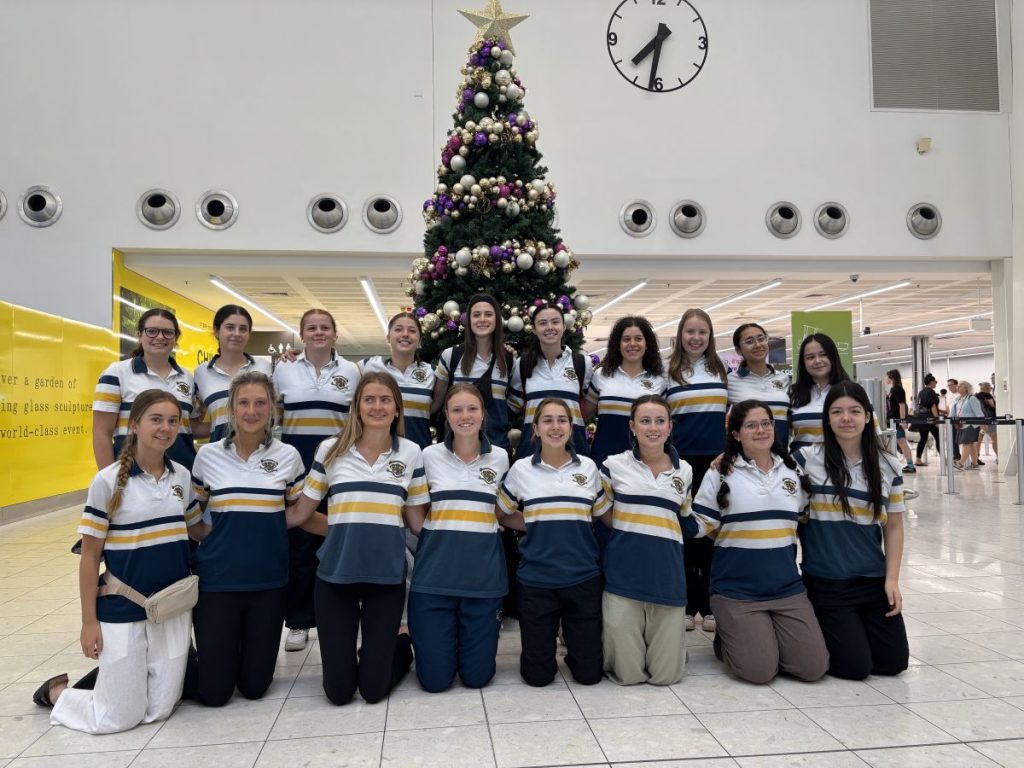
(960, 704)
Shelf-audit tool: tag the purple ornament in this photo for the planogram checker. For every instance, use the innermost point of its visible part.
(454, 143)
(425, 275)
(462, 318)
(421, 311)
(538, 303)
(560, 247)
(451, 325)
(496, 251)
(501, 45)
(595, 359)
(474, 60)
(428, 204)
(517, 192)
(442, 250)
(504, 190)
(480, 138)
(467, 95)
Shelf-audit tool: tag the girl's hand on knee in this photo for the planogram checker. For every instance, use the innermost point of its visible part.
(92, 640)
(892, 594)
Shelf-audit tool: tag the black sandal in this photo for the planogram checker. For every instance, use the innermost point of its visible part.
(42, 695)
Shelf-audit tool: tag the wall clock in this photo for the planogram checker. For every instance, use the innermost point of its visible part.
(657, 45)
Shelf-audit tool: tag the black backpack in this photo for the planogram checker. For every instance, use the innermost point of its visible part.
(483, 384)
(579, 365)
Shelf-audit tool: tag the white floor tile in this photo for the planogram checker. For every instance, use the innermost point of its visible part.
(1009, 754)
(924, 683)
(1010, 644)
(996, 678)
(877, 726)
(962, 622)
(828, 692)
(415, 710)
(241, 755)
(566, 742)
(810, 760)
(724, 693)
(515, 704)
(92, 760)
(950, 649)
(59, 740)
(447, 747)
(945, 756)
(194, 725)
(610, 700)
(665, 737)
(974, 720)
(360, 750)
(316, 716)
(768, 733)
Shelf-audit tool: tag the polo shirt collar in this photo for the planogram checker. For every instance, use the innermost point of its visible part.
(743, 371)
(485, 444)
(249, 360)
(573, 458)
(670, 449)
(743, 461)
(136, 470)
(303, 359)
(139, 365)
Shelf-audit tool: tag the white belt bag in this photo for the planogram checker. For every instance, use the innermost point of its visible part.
(169, 602)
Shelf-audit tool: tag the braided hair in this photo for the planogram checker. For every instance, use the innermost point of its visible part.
(126, 459)
(734, 449)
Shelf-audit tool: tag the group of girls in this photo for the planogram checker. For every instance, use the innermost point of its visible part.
(311, 530)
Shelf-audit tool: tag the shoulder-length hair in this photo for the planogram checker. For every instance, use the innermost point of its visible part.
(680, 366)
(242, 380)
(469, 344)
(354, 426)
(800, 390)
(871, 451)
(613, 357)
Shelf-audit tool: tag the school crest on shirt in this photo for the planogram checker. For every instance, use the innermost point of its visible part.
(789, 484)
(570, 374)
(779, 384)
(647, 383)
(268, 465)
(183, 388)
(396, 469)
(178, 491)
(488, 475)
(340, 383)
(579, 478)
(419, 375)
(677, 485)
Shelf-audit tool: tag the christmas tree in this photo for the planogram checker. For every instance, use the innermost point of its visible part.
(491, 219)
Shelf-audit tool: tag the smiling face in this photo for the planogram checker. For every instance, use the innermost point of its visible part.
(251, 409)
(404, 336)
(157, 428)
(633, 345)
(482, 319)
(753, 346)
(651, 425)
(465, 414)
(377, 406)
(553, 425)
(757, 432)
(816, 362)
(549, 325)
(318, 332)
(158, 336)
(233, 334)
(694, 337)
(847, 418)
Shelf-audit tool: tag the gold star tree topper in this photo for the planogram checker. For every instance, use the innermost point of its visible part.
(492, 23)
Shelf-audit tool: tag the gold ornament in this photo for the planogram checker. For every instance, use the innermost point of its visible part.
(492, 23)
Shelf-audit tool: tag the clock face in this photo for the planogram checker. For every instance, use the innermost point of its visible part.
(657, 45)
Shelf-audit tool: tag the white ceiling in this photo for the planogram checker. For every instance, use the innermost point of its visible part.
(289, 283)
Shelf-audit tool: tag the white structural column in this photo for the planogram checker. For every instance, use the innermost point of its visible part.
(1008, 274)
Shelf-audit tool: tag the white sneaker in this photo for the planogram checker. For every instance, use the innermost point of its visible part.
(708, 623)
(690, 626)
(296, 639)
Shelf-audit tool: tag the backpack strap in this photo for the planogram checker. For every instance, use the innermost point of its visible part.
(579, 364)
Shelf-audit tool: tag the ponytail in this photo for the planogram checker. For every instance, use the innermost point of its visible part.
(124, 468)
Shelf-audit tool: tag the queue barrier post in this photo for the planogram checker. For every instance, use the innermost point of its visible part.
(947, 458)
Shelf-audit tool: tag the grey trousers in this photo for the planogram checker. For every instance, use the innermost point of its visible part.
(760, 638)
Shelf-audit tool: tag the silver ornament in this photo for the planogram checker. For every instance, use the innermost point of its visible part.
(561, 259)
(467, 181)
(514, 324)
(502, 77)
(581, 301)
(464, 257)
(524, 261)
(458, 163)
(506, 58)
(450, 306)
(481, 100)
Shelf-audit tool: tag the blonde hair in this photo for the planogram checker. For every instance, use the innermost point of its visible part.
(354, 426)
(242, 380)
(680, 366)
(126, 458)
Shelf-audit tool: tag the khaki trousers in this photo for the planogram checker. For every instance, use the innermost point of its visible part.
(643, 642)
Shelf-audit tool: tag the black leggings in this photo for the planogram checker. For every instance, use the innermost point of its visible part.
(861, 640)
(697, 553)
(384, 657)
(924, 430)
(578, 608)
(237, 639)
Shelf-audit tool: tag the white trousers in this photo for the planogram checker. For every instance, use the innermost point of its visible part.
(142, 670)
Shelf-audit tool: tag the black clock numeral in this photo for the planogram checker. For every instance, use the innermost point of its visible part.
(657, 2)
(702, 43)
(613, 39)
(658, 85)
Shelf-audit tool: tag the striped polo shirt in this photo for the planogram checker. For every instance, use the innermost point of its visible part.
(614, 396)
(146, 543)
(836, 546)
(755, 550)
(459, 551)
(643, 559)
(560, 381)
(213, 386)
(366, 534)
(496, 423)
(558, 505)
(125, 380)
(698, 412)
(245, 499)
(417, 385)
(315, 406)
(772, 389)
(805, 421)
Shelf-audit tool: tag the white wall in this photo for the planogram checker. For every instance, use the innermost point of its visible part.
(276, 102)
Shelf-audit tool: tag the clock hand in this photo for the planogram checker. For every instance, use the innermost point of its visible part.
(654, 64)
(647, 50)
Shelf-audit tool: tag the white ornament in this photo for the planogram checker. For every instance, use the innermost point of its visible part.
(524, 261)
(561, 259)
(502, 77)
(512, 210)
(581, 301)
(506, 58)
(542, 268)
(464, 257)
(513, 92)
(467, 181)
(495, 52)
(538, 184)
(420, 288)
(514, 324)
(461, 271)
(451, 306)
(482, 100)
(458, 163)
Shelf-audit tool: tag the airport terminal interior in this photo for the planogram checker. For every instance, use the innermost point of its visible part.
(849, 167)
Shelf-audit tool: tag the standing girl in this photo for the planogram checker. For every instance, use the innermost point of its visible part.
(647, 490)
(415, 378)
(371, 477)
(315, 393)
(757, 380)
(853, 540)
(547, 368)
(135, 520)
(697, 394)
(754, 500)
(481, 360)
(631, 368)
(818, 367)
(459, 579)
(150, 366)
(552, 496)
(232, 326)
(244, 483)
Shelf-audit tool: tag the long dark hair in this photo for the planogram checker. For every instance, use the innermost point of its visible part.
(652, 357)
(737, 338)
(224, 313)
(679, 365)
(734, 448)
(871, 451)
(531, 349)
(497, 336)
(141, 326)
(800, 391)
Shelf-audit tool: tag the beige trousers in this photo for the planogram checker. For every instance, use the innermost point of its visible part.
(643, 642)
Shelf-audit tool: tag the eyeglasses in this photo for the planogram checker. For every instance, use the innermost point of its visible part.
(167, 333)
(752, 340)
(753, 426)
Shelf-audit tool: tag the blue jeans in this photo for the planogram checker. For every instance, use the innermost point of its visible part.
(452, 634)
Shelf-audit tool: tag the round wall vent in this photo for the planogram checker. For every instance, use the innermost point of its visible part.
(783, 219)
(327, 213)
(217, 209)
(3, 204)
(637, 218)
(924, 221)
(382, 214)
(687, 219)
(40, 206)
(158, 209)
(831, 220)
